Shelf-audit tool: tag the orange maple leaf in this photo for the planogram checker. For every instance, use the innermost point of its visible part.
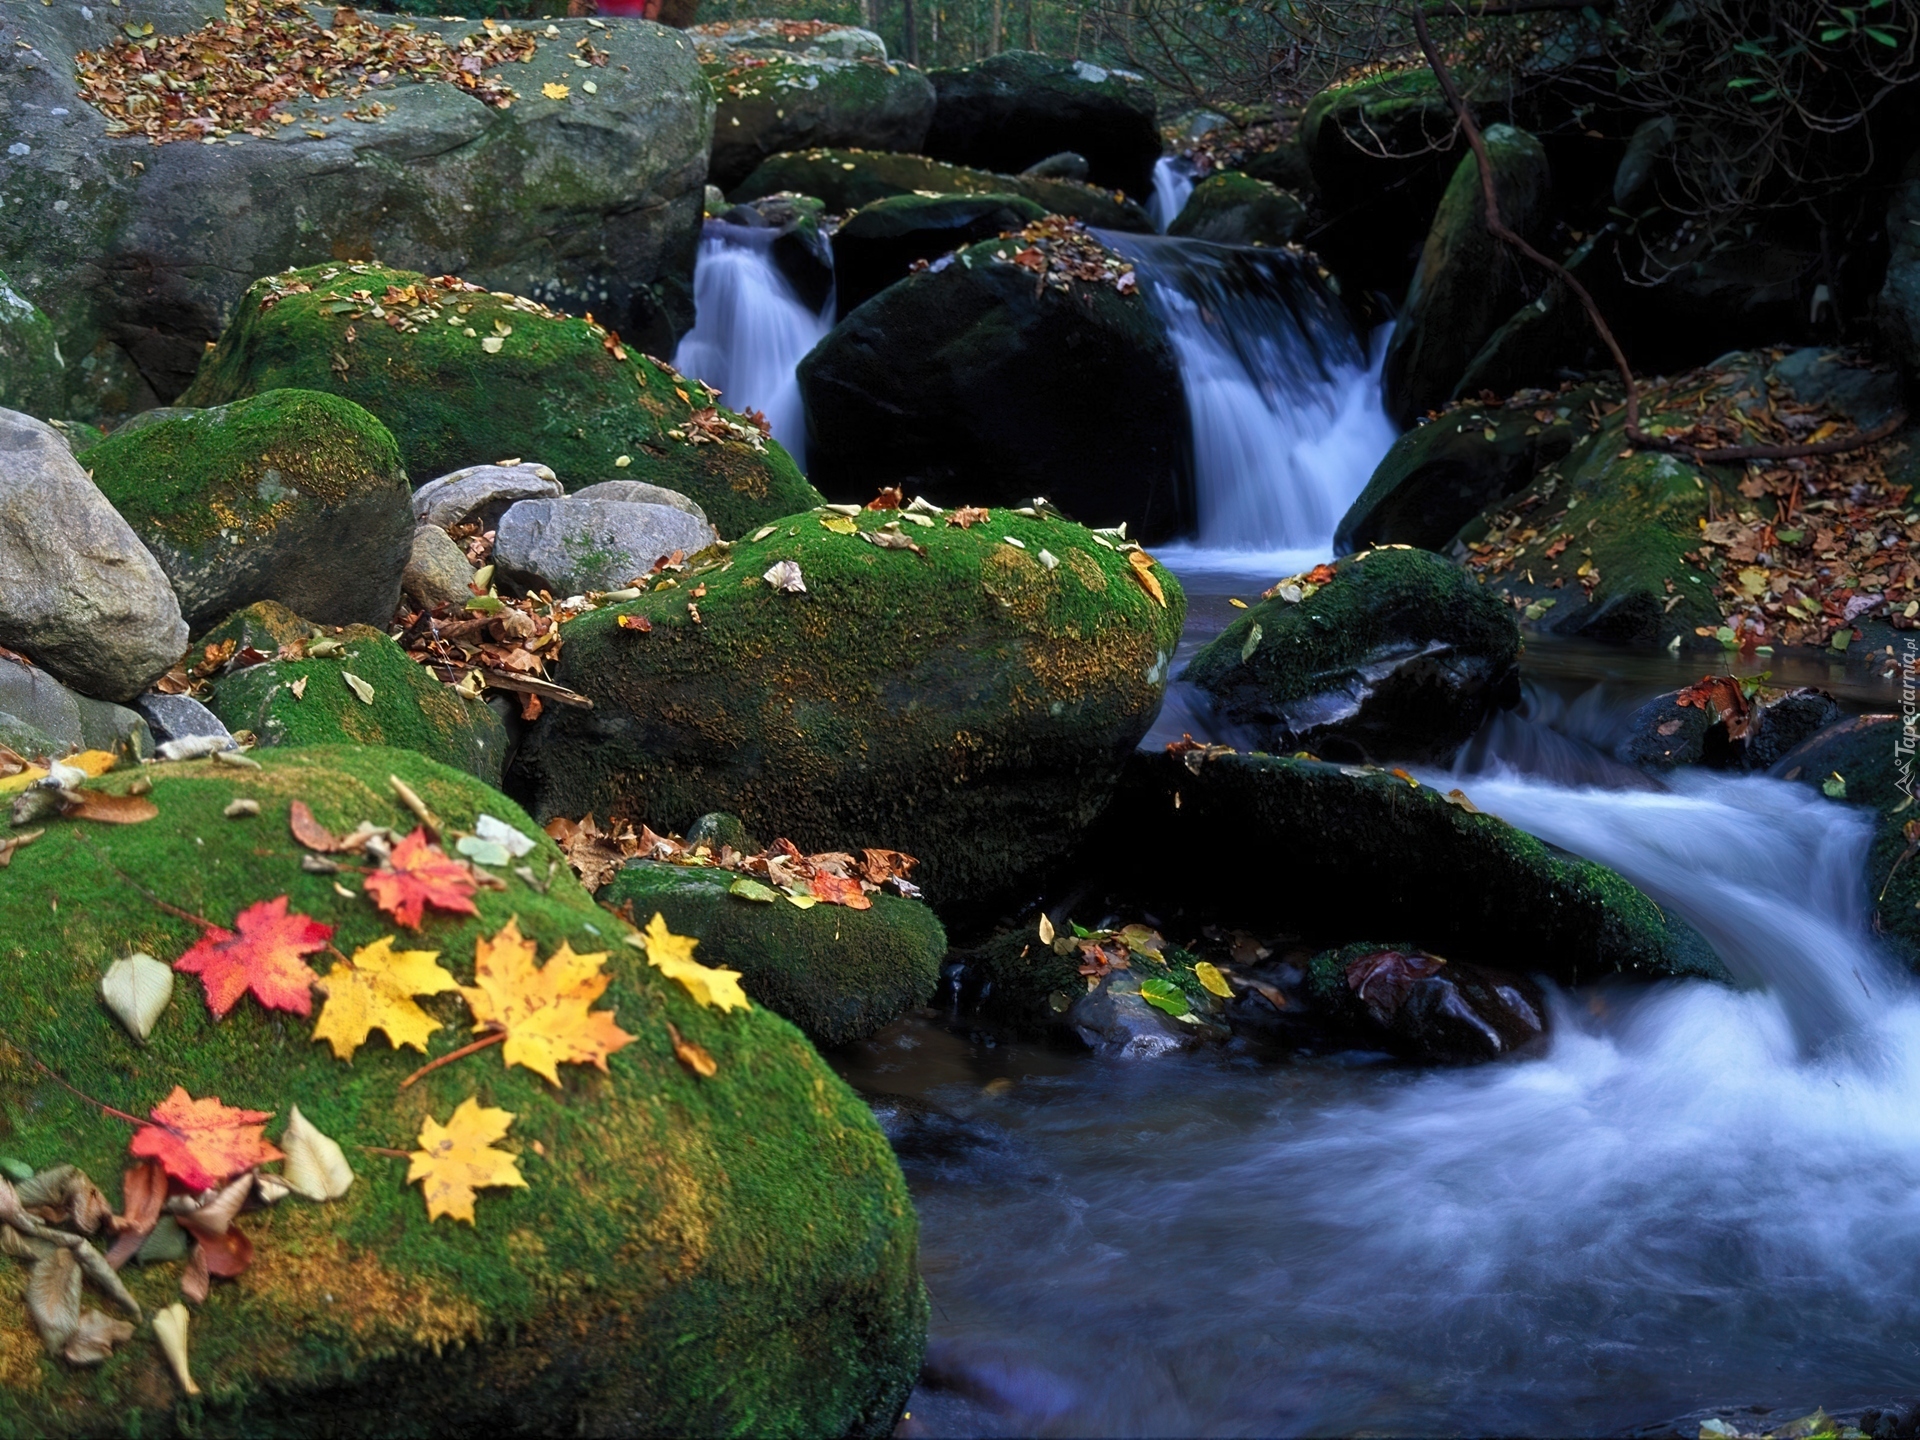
(542, 1012)
(421, 874)
(264, 957)
(830, 889)
(202, 1142)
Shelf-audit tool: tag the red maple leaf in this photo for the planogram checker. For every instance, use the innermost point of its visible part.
(264, 957)
(421, 874)
(202, 1142)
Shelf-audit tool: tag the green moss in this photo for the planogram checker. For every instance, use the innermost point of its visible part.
(848, 179)
(553, 391)
(1015, 982)
(411, 710)
(971, 706)
(1230, 208)
(724, 1256)
(33, 373)
(243, 468)
(838, 974)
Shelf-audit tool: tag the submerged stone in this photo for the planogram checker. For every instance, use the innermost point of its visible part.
(1425, 1007)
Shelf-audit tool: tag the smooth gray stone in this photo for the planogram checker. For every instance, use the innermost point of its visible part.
(572, 546)
(437, 572)
(39, 715)
(639, 492)
(175, 717)
(465, 494)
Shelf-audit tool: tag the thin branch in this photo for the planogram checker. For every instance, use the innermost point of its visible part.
(452, 1055)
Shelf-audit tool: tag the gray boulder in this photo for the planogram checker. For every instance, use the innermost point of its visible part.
(572, 546)
(139, 253)
(639, 492)
(33, 373)
(438, 571)
(482, 492)
(79, 593)
(179, 717)
(39, 716)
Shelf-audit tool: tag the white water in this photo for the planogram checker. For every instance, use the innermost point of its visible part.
(751, 330)
(1283, 399)
(1173, 181)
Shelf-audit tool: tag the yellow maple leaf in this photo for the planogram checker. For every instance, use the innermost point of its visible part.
(375, 992)
(672, 956)
(555, 92)
(544, 1012)
(458, 1158)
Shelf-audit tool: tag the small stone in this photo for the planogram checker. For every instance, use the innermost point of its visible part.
(437, 572)
(481, 492)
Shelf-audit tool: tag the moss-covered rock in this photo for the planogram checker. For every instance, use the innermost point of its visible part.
(731, 1255)
(1664, 734)
(1019, 107)
(880, 241)
(971, 706)
(1230, 208)
(287, 495)
(1439, 475)
(1016, 982)
(33, 373)
(554, 389)
(848, 179)
(410, 709)
(1468, 282)
(976, 385)
(1308, 846)
(1424, 1006)
(815, 94)
(1395, 654)
(838, 974)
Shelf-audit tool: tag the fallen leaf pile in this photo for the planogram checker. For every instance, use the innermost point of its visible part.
(779, 872)
(1227, 147)
(247, 72)
(1060, 250)
(1726, 699)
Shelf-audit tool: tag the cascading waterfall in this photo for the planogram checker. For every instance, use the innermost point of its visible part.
(1282, 393)
(1173, 182)
(751, 328)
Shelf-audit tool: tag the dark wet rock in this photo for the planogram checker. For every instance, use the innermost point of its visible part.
(1230, 208)
(796, 242)
(1066, 165)
(39, 717)
(776, 93)
(1468, 282)
(1548, 340)
(1424, 1007)
(1439, 475)
(79, 593)
(178, 717)
(1898, 309)
(33, 372)
(879, 242)
(1664, 734)
(572, 545)
(1012, 110)
(971, 707)
(974, 385)
(438, 571)
(1397, 654)
(288, 495)
(1306, 845)
(590, 203)
(839, 974)
(482, 493)
(848, 179)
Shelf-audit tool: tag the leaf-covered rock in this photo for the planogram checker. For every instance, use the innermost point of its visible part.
(970, 706)
(845, 180)
(984, 384)
(1388, 654)
(879, 242)
(733, 1254)
(288, 495)
(1230, 208)
(838, 974)
(1424, 1006)
(505, 379)
(410, 709)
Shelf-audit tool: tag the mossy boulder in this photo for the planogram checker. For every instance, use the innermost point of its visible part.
(1230, 208)
(1011, 110)
(971, 706)
(410, 709)
(33, 373)
(1307, 846)
(976, 384)
(730, 1255)
(554, 389)
(879, 242)
(1425, 1006)
(287, 495)
(1440, 474)
(814, 94)
(838, 974)
(848, 179)
(1468, 282)
(1398, 654)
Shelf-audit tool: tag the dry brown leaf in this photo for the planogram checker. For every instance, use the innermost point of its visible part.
(696, 1058)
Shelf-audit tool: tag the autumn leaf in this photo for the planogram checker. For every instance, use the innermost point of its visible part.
(263, 956)
(697, 1059)
(831, 889)
(202, 1142)
(458, 1158)
(544, 1012)
(309, 832)
(419, 874)
(375, 992)
(672, 956)
(1142, 564)
(557, 92)
(967, 516)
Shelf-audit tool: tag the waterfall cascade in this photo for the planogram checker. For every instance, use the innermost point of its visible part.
(1173, 182)
(751, 329)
